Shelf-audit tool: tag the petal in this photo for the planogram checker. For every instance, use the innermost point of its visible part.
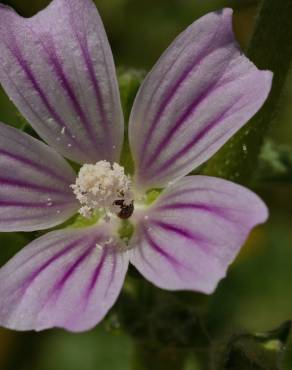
(195, 229)
(35, 183)
(201, 91)
(64, 279)
(58, 69)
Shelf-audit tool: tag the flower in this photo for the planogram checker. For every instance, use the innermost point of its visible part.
(58, 69)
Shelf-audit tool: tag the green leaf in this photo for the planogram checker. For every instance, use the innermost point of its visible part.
(260, 351)
(275, 163)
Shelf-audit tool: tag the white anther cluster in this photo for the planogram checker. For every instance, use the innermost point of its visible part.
(99, 185)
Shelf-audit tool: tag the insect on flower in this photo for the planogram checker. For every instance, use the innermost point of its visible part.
(58, 69)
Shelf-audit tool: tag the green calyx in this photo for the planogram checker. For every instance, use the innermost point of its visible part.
(152, 195)
(78, 221)
(126, 230)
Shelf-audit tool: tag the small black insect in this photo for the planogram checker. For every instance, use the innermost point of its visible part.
(126, 210)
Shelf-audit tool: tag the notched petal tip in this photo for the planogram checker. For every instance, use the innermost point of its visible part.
(194, 231)
(201, 91)
(4, 7)
(226, 13)
(8, 14)
(58, 69)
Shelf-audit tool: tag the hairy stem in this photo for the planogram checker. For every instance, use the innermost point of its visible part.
(270, 48)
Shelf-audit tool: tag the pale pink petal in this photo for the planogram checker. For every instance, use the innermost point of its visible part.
(58, 69)
(190, 235)
(67, 279)
(35, 183)
(201, 91)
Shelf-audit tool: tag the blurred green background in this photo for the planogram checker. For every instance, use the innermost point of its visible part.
(256, 295)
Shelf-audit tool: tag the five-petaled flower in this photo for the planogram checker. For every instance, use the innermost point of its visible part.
(58, 69)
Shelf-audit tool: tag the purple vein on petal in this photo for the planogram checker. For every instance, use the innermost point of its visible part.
(44, 204)
(164, 102)
(188, 191)
(15, 51)
(37, 166)
(58, 287)
(168, 98)
(14, 219)
(218, 211)
(38, 252)
(83, 43)
(29, 186)
(49, 47)
(23, 97)
(187, 160)
(177, 265)
(199, 136)
(181, 231)
(27, 283)
(175, 229)
(99, 100)
(159, 250)
(205, 52)
(189, 111)
(60, 284)
(96, 273)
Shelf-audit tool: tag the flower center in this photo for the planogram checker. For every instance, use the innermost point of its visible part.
(104, 187)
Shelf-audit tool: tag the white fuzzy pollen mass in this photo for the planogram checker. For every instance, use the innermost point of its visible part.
(98, 186)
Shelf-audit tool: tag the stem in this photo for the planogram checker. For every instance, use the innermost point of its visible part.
(270, 48)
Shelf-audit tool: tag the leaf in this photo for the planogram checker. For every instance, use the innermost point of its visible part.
(275, 163)
(260, 351)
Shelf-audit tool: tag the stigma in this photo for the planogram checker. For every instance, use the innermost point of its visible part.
(104, 187)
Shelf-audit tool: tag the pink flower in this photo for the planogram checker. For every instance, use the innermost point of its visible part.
(58, 69)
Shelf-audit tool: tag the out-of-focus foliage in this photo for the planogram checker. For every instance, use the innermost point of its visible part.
(129, 82)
